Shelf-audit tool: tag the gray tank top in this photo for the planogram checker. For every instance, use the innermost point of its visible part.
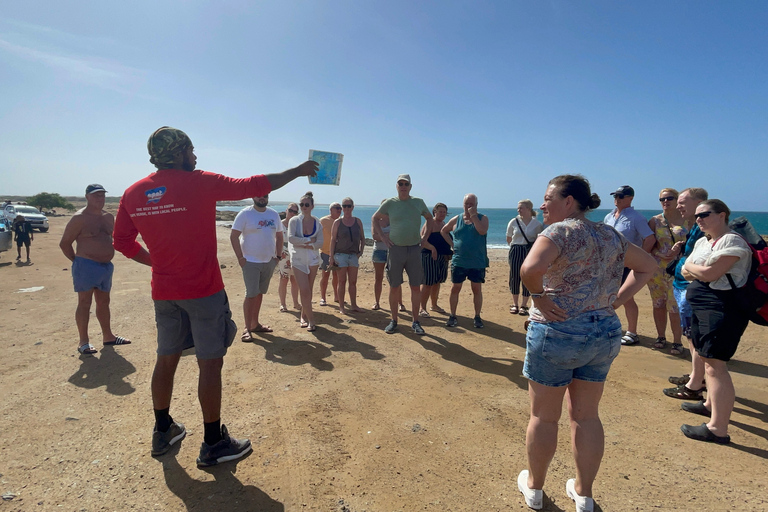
(348, 238)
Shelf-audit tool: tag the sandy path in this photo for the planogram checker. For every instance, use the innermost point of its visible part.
(346, 418)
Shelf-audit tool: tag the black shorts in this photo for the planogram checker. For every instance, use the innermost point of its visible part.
(22, 241)
(460, 274)
(625, 274)
(718, 322)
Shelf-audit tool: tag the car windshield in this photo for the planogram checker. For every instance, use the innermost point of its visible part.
(27, 209)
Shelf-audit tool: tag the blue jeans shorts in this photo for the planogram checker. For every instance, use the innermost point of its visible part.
(346, 260)
(686, 313)
(582, 347)
(379, 256)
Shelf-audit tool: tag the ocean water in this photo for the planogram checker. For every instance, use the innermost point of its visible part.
(498, 218)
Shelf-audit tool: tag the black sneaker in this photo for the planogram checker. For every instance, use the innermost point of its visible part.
(225, 450)
(479, 322)
(452, 321)
(391, 327)
(417, 328)
(163, 441)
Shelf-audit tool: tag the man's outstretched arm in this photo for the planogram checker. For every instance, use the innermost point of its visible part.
(279, 179)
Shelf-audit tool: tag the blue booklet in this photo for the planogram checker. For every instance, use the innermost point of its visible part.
(329, 171)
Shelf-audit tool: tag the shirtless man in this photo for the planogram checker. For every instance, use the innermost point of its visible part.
(91, 229)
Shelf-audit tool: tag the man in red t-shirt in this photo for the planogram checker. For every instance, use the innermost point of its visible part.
(174, 211)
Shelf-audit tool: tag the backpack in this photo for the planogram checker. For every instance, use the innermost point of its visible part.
(755, 291)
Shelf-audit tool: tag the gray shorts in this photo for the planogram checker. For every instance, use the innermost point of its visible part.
(205, 324)
(406, 258)
(257, 277)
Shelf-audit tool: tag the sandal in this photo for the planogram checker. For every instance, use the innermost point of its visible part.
(247, 337)
(679, 381)
(119, 340)
(311, 328)
(283, 309)
(660, 343)
(86, 349)
(702, 433)
(683, 392)
(303, 324)
(437, 309)
(677, 349)
(514, 310)
(424, 313)
(322, 302)
(524, 311)
(376, 307)
(402, 307)
(262, 328)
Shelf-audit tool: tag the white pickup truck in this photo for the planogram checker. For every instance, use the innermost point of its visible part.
(30, 213)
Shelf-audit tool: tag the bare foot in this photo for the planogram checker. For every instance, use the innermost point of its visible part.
(355, 309)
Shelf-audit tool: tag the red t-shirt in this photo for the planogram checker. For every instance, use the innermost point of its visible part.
(174, 211)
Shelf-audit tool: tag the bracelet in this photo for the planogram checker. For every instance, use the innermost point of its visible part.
(537, 295)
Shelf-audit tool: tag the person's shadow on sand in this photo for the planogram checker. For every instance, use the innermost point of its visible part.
(294, 352)
(108, 370)
(226, 492)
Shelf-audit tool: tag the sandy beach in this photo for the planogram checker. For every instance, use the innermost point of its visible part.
(342, 419)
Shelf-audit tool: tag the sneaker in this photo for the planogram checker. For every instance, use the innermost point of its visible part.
(583, 503)
(534, 498)
(163, 441)
(391, 327)
(629, 338)
(479, 322)
(225, 450)
(417, 328)
(452, 321)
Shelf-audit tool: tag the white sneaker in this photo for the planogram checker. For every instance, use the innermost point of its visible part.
(534, 498)
(583, 503)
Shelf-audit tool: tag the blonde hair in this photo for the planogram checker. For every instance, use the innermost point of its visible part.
(529, 204)
(670, 190)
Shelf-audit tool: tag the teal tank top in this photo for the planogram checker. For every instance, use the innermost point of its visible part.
(469, 246)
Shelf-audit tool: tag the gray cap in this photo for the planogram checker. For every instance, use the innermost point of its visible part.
(404, 177)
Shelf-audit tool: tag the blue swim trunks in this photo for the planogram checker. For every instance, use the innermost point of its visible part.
(88, 274)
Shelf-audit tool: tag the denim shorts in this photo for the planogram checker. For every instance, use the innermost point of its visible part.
(379, 256)
(345, 260)
(684, 308)
(582, 347)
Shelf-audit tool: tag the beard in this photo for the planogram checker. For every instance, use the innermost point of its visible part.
(187, 165)
(262, 204)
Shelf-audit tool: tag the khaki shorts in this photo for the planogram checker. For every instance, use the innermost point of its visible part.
(257, 277)
(205, 324)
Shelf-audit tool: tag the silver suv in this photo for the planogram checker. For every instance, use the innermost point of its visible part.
(30, 213)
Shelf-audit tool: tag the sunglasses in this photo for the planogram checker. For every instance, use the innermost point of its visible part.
(347, 206)
(305, 205)
(619, 196)
(293, 211)
(403, 184)
(668, 198)
(703, 215)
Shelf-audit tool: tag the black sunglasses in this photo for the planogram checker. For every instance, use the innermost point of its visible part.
(619, 196)
(305, 205)
(703, 215)
(293, 211)
(347, 205)
(402, 184)
(668, 198)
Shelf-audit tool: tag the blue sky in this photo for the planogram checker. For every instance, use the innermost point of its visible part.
(493, 98)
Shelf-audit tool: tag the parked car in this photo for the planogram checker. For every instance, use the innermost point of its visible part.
(30, 213)
(6, 235)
